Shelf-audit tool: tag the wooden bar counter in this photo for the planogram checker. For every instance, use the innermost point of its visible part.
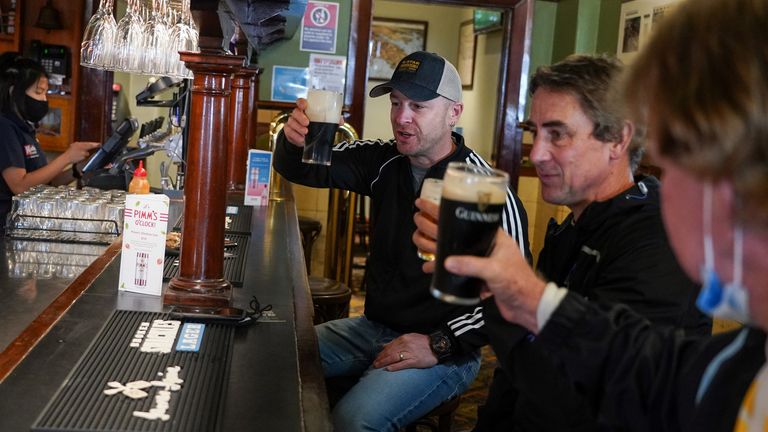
(275, 380)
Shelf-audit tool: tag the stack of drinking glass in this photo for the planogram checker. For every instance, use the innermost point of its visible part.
(145, 41)
(66, 214)
(44, 260)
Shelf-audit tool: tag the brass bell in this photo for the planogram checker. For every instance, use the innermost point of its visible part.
(48, 18)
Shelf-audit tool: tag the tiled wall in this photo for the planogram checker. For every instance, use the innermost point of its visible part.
(539, 212)
(313, 203)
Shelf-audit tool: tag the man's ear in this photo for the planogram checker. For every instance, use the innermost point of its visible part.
(620, 148)
(455, 113)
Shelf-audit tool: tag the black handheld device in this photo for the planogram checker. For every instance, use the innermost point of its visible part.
(113, 146)
(223, 314)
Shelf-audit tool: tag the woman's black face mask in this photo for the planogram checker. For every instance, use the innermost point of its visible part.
(34, 110)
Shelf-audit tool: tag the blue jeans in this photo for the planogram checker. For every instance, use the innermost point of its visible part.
(382, 400)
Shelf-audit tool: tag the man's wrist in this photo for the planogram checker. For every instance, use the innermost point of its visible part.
(441, 345)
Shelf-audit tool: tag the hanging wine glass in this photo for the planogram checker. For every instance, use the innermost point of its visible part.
(184, 37)
(96, 49)
(156, 40)
(129, 39)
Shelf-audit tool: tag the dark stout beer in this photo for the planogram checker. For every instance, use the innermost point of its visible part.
(470, 213)
(324, 112)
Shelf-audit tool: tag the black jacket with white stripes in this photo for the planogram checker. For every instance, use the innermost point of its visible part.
(397, 293)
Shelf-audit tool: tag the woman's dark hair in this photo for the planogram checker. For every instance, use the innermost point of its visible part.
(17, 74)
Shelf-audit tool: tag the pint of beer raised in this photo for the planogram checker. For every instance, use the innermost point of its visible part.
(431, 190)
(471, 208)
(324, 112)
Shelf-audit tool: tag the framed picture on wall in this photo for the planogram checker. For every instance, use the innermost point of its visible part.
(391, 40)
(466, 58)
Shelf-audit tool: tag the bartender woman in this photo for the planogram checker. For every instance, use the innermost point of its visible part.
(23, 103)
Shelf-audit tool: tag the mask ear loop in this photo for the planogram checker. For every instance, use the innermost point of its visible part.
(709, 255)
(738, 254)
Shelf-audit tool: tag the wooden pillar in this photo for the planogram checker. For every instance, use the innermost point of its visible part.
(241, 108)
(254, 98)
(201, 265)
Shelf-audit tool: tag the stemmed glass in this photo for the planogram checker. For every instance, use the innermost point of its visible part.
(156, 39)
(129, 40)
(98, 39)
(184, 37)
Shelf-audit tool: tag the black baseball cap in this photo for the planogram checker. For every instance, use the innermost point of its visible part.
(423, 76)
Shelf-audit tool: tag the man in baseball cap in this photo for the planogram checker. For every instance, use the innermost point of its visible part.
(423, 76)
(404, 350)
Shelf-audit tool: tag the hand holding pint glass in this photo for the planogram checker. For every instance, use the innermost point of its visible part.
(324, 112)
(471, 207)
(431, 190)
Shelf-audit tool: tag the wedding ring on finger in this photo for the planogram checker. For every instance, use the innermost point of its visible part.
(400, 354)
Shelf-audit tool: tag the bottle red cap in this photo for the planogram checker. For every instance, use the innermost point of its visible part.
(140, 171)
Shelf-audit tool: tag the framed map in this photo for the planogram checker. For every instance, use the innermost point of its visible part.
(467, 46)
(391, 40)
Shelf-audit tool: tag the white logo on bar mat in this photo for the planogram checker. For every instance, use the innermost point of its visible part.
(157, 338)
(171, 382)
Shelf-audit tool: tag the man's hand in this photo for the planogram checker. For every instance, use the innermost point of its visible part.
(426, 230)
(410, 350)
(297, 126)
(516, 288)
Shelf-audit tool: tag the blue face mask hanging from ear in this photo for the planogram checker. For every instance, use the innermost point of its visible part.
(732, 300)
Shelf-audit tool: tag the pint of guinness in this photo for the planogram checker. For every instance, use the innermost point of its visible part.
(471, 208)
(324, 112)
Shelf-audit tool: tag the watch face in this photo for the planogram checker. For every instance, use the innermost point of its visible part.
(441, 344)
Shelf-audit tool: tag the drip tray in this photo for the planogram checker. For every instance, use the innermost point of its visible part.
(235, 258)
(237, 220)
(126, 382)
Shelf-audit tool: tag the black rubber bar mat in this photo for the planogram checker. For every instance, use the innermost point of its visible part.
(235, 257)
(126, 382)
(237, 220)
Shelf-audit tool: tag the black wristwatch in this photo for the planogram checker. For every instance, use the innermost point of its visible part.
(441, 346)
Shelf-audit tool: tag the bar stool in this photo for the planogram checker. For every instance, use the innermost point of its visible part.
(329, 297)
(310, 231)
(444, 414)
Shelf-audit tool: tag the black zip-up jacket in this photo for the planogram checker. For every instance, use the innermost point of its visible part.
(617, 252)
(651, 378)
(397, 293)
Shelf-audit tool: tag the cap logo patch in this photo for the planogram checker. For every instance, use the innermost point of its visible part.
(409, 66)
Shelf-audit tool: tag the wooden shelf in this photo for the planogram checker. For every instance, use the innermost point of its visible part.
(10, 41)
(57, 135)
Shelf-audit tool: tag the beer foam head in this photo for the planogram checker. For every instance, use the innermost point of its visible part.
(471, 183)
(489, 193)
(324, 106)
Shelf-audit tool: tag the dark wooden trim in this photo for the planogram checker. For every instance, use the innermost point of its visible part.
(314, 404)
(15, 352)
(515, 61)
(357, 68)
(273, 105)
(94, 103)
(93, 116)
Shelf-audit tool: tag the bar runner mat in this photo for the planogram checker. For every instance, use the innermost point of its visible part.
(126, 382)
(237, 220)
(235, 258)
